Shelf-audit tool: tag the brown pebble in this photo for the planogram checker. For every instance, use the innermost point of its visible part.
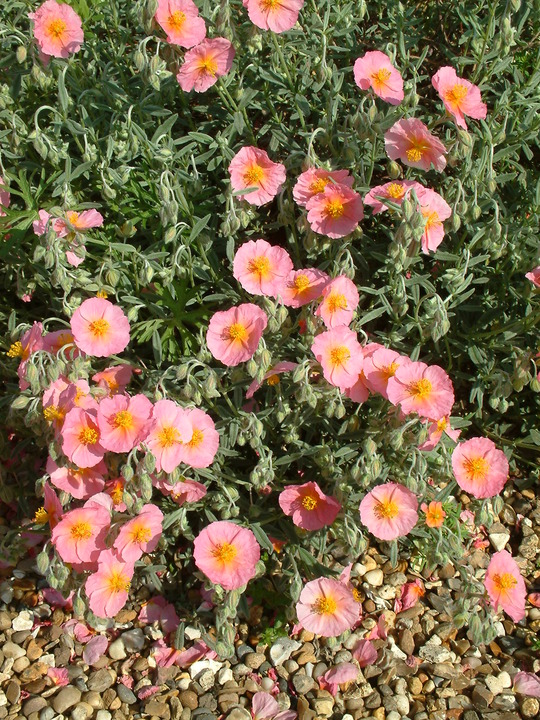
(306, 636)
(21, 664)
(227, 700)
(5, 621)
(58, 616)
(379, 713)
(306, 657)
(13, 692)
(33, 672)
(36, 687)
(254, 660)
(33, 651)
(530, 707)
(33, 705)
(369, 607)
(415, 685)
(108, 696)
(125, 616)
(189, 699)
(94, 699)
(160, 709)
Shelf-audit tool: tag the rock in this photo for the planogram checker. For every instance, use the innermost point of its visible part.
(227, 700)
(530, 707)
(206, 679)
(499, 539)
(47, 713)
(12, 651)
(481, 696)
(494, 684)
(13, 692)
(254, 660)
(505, 680)
(94, 699)
(224, 675)
(33, 705)
(82, 711)
(282, 650)
(66, 698)
(434, 652)
(239, 714)
(33, 651)
(125, 694)
(158, 708)
(505, 701)
(406, 641)
(197, 668)
(396, 703)
(103, 715)
(303, 684)
(5, 620)
(375, 578)
(133, 640)
(100, 680)
(117, 651)
(23, 621)
(189, 699)
(323, 704)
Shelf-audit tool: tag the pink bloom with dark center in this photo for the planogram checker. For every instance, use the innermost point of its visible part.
(423, 389)
(81, 483)
(252, 168)
(57, 29)
(80, 535)
(261, 268)
(534, 276)
(335, 212)
(123, 421)
(170, 429)
(114, 379)
(340, 355)
(389, 511)
(380, 366)
(505, 585)
(308, 506)
(375, 70)
(271, 377)
(199, 452)
(396, 191)
(435, 210)
(436, 430)
(81, 438)
(313, 181)
(233, 335)
(480, 468)
(301, 287)
(227, 554)
(100, 328)
(342, 674)
(141, 534)
(340, 300)
(460, 97)
(327, 607)
(107, 589)
(410, 141)
(275, 15)
(181, 22)
(204, 64)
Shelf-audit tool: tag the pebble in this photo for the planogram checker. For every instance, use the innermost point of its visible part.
(13, 651)
(66, 698)
(5, 620)
(103, 715)
(254, 660)
(100, 680)
(323, 705)
(94, 699)
(224, 675)
(117, 651)
(303, 684)
(530, 707)
(189, 699)
(481, 696)
(434, 652)
(23, 621)
(206, 679)
(82, 711)
(397, 703)
(134, 640)
(47, 713)
(125, 694)
(158, 708)
(282, 650)
(33, 705)
(13, 692)
(494, 684)
(239, 714)
(375, 578)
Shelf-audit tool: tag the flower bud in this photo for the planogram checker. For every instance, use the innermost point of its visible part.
(393, 169)
(140, 60)
(21, 54)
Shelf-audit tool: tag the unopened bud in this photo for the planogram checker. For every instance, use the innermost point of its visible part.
(456, 222)
(140, 60)
(21, 54)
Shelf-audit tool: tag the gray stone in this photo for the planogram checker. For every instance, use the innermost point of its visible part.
(254, 660)
(66, 698)
(100, 680)
(47, 713)
(125, 694)
(117, 651)
(282, 650)
(33, 705)
(103, 715)
(81, 712)
(481, 696)
(303, 684)
(239, 714)
(133, 640)
(206, 679)
(434, 652)
(12, 651)
(396, 703)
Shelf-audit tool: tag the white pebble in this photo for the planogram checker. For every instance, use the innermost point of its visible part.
(117, 650)
(226, 675)
(282, 650)
(374, 577)
(192, 633)
(23, 621)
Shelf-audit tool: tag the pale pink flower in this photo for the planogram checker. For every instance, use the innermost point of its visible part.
(115, 490)
(81, 438)
(107, 589)
(313, 181)
(5, 197)
(233, 335)
(81, 483)
(252, 168)
(364, 653)
(526, 683)
(327, 607)
(411, 592)
(30, 342)
(534, 276)
(80, 535)
(199, 452)
(380, 366)
(340, 300)
(396, 191)
(480, 468)
(375, 70)
(41, 225)
(342, 674)
(410, 141)
(423, 389)
(359, 392)
(114, 379)
(275, 15)
(301, 287)
(95, 649)
(335, 212)
(123, 421)
(227, 554)
(100, 328)
(266, 707)
(205, 63)
(59, 676)
(58, 340)
(340, 355)
(436, 430)
(57, 29)
(74, 221)
(58, 399)
(170, 429)
(308, 506)
(197, 651)
(460, 97)
(434, 209)
(141, 534)
(181, 22)
(271, 377)
(261, 268)
(389, 511)
(505, 585)
(185, 490)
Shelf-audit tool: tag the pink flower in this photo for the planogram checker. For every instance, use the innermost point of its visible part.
(205, 63)
(123, 421)
(340, 300)
(410, 141)
(271, 377)
(327, 607)
(107, 589)
(181, 22)
(261, 268)
(80, 535)
(423, 389)
(227, 554)
(526, 683)
(411, 592)
(460, 97)
(170, 429)
(505, 586)
(313, 181)
(434, 513)
(265, 707)
(233, 335)
(308, 506)
(41, 225)
(59, 676)
(380, 366)
(185, 490)
(341, 674)
(30, 342)
(114, 379)
(52, 509)
(82, 483)
(140, 535)
(58, 340)
(81, 438)
(534, 276)
(335, 212)
(199, 452)
(77, 222)
(340, 355)
(57, 29)
(58, 400)
(359, 392)
(157, 609)
(276, 15)
(301, 287)
(479, 467)
(436, 430)
(252, 168)
(100, 328)
(434, 209)
(395, 190)
(5, 197)
(375, 70)
(364, 653)
(389, 511)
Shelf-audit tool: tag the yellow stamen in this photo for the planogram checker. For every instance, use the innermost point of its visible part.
(102, 294)
(301, 283)
(442, 424)
(421, 389)
(336, 302)
(389, 371)
(339, 354)
(56, 28)
(395, 191)
(310, 502)
(209, 65)
(380, 77)
(456, 94)
(16, 350)
(141, 534)
(224, 552)
(238, 332)
(196, 439)
(123, 419)
(273, 379)
(324, 606)
(477, 468)
(259, 266)
(99, 328)
(168, 436)
(118, 582)
(253, 175)
(176, 20)
(506, 581)
(53, 412)
(334, 209)
(41, 516)
(117, 493)
(73, 218)
(270, 4)
(318, 185)
(356, 595)
(81, 531)
(385, 509)
(88, 436)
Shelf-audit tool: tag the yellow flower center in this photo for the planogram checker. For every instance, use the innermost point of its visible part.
(310, 502)
(301, 282)
(81, 531)
(237, 331)
(197, 438)
(334, 208)
(386, 509)
(78, 395)
(16, 350)
(53, 412)
(442, 424)
(225, 552)
(324, 606)
(273, 379)
(141, 534)
(389, 371)
(168, 436)
(477, 468)
(380, 77)
(99, 328)
(356, 595)
(102, 294)
(73, 218)
(123, 419)
(118, 582)
(41, 516)
(336, 301)
(56, 28)
(339, 354)
(395, 191)
(270, 4)
(177, 20)
(209, 65)
(253, 175)
(318, 185)
(506, 581)
(418, 147)
(117, 493)
(431, 219)
(88, 436)
(420, 389)
(259, 266)
(456, 94)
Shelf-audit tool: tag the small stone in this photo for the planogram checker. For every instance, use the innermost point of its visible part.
(33, 705)
(227, 700)
(434, 652)
(406, 641)
(117, 651)
(47, 713)
(133, 640)
(394, 715)
(158, 708)
(82, 711)
(125, 694)
(254, 660)
(323, 704)
(494, 684)
(189, 699)
(530, 707)
(239, 714)
(282, 650)
(33, 651)
(224, 675)
(499, 540)
(23, 621)
(5, 620)
(375, 578)
(103, 715)
(100, 680)
(481, 696)
(11, 650)
(206, 679)
(319, 669)
(303, 684)
(21, 664)
(13, 692)
(505, 680)
(94, 699)
(66, 698)
(396, 703)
